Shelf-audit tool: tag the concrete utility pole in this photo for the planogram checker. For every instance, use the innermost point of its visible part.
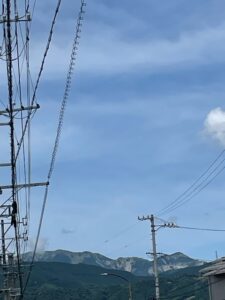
(5, 276)
(11, 232)
(155, 266)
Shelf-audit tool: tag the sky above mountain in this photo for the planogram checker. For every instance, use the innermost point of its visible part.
(145, 118)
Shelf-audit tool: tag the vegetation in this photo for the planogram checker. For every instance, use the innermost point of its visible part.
(60, 281)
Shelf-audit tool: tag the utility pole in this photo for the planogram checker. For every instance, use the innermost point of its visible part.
(154, 253)
(155, 266)
(13, 217)
(5, 277)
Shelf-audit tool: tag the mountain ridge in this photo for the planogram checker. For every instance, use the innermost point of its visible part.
(135, 265)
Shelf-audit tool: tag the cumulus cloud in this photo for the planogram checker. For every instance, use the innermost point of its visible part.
(215, 124)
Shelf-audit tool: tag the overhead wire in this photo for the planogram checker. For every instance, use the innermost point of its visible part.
(25, 42)
(167, 224)
(171, 295)
(60, 120)
(11, 44)
(29, 85)
(196, 193)
(19, 94)
(40, 73)
(197, 186)
(121, 232)
(25, 48)
(128, 244)
(188, 294)
(9, 64)
(125, 245)
(200, 229)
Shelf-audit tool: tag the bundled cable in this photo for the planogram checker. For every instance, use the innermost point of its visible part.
(59, 128)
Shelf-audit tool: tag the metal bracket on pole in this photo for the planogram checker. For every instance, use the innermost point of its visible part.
(5, 165)
(24, 185)
(5, 124)
(22, 108)
(27, 17)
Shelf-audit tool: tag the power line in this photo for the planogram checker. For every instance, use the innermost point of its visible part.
(59, 128)
(194, 194)
(200, 229)
(40, 73)
(121, 232)
(12, 145)
(196, 187)
(173, 225)
(173, 294)
(188, 294)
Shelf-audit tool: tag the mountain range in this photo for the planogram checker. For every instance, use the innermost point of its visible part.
(63, 281)
(134, 265)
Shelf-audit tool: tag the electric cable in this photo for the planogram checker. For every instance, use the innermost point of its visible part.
(195, 187)
(184, 296)
(184, 201)
(121, 232)
(12, 146)
(59, 128)
(40, 73)
(200, 229)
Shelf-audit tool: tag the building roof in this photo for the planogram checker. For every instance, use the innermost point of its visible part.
(217, 268)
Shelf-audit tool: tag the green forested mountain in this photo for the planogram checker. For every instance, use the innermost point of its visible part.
(61, 281)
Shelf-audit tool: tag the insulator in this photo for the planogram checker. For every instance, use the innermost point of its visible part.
(24, 220)
(25, 237)
(2, 18)
(28, 15)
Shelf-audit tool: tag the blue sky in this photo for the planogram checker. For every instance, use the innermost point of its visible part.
(145, 118)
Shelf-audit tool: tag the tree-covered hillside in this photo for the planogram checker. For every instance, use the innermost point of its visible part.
(60, 281)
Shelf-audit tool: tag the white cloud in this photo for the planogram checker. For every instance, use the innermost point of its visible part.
(215, 124)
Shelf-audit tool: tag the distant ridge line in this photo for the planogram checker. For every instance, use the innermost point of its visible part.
(135, 265)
